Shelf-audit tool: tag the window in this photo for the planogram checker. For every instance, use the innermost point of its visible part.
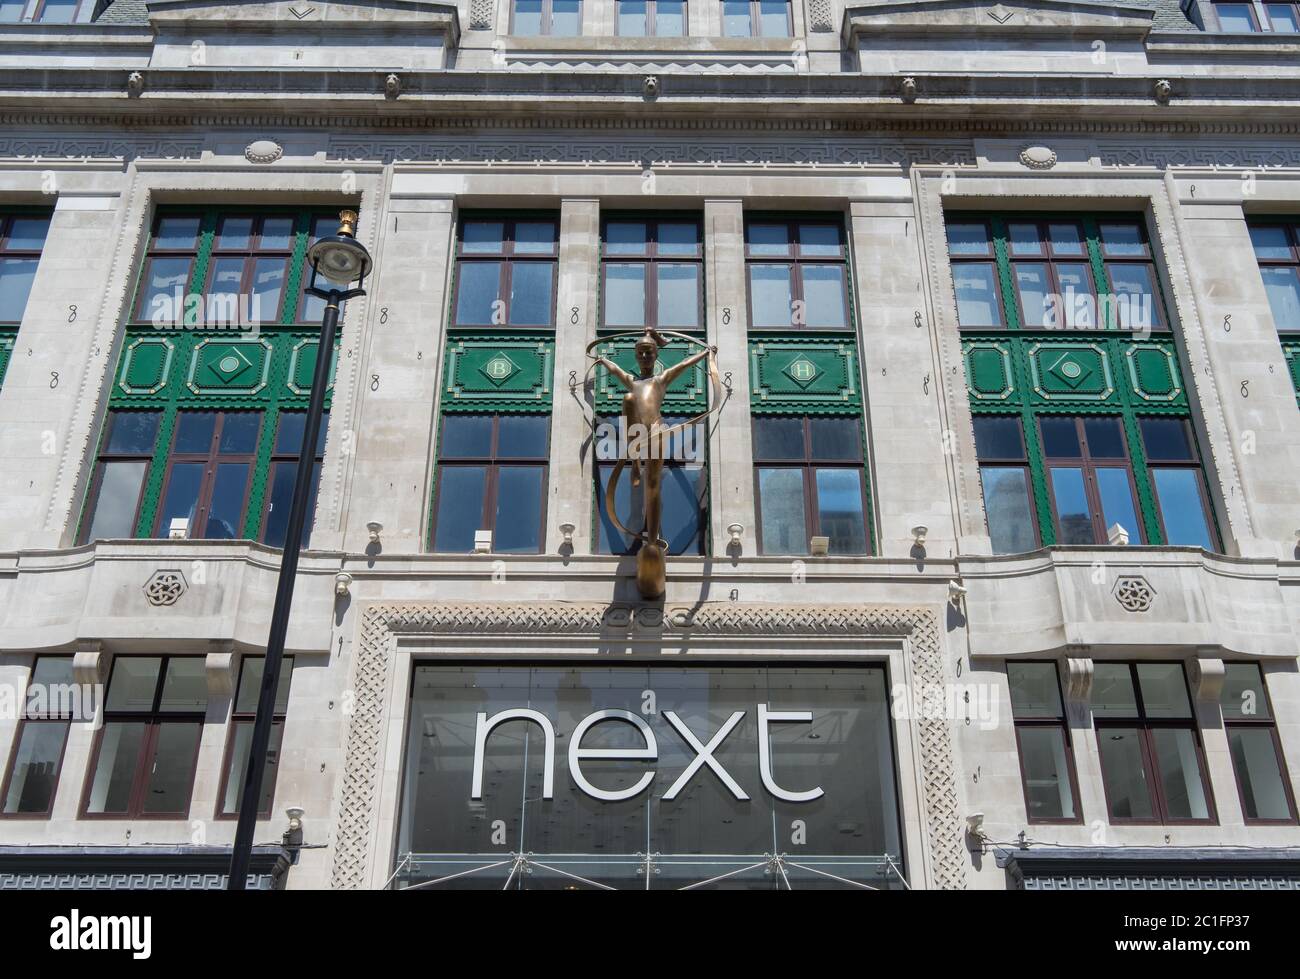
(1152, 763)
(1089, 478)
(1277, 249)
(652, 274)
(11, 11)
(32, 777)
(798, 275)
(491, 476)
(1181, 500)
(1283, 18)
(756, 18)
(118, 483)
(1049, 266)
(810, 481)
(241, 735)
(561, 18)
(55, 11)
(1131, 302)
(1262, 781)
(506, 272)
(145, 754)
(1236, 17)
(22, 236)
(284, 469)
(1043, 740)
(1004, 475)
(683, 489)
(208, 469)
(658, 18)
(975, 274)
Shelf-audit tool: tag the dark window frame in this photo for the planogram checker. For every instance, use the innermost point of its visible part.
(1269, 724)
(989, 260)
(1292, 231)
(548, 20)
(755, 21)
(1062, 723)
(492, 463)
(506, 258)
(809, 466)
(1089, 464)
(7, 219)
(651, 258)
(1195, 464)
(251, 254)
(105, 457)
(240, 718)
(1049, 258)
(1022, 463)
(1159, 323)
(210, 460)
(1151, 769)
(1295, 12)
(279, 458)
(797, 261)
(38, 15)
(154, 250)
(24, 720)
(651, 16)
(153, 720)
(1255, 26)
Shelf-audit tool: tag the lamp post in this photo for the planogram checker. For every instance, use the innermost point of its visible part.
(341, 260)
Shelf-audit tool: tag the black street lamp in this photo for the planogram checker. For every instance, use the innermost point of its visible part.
(342, 260)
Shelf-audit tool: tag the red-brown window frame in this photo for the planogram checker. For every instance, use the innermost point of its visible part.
(1062, 723)
(1269, 724)
(239, 718)
(651, 258)
(210, 460)
(651, 14)
(23, 721)
(797, 260)
(507, 258)
(1049, 258)
(990, 259)
(1089, 464)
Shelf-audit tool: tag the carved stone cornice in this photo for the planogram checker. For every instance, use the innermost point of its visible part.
(381, 625)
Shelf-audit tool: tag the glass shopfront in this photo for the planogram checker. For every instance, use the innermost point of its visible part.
(577, 776)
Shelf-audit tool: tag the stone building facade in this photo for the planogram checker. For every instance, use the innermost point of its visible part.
(1001, 478)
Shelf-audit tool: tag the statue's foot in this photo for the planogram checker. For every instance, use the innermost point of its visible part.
(651, 571)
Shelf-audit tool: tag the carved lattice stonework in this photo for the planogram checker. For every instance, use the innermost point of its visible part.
(1134, 593)
(821, 17)
(165, 587)
(918, 626)
(480, 14)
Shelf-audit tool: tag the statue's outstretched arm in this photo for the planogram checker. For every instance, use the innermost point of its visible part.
(617, 371)
(671, 374)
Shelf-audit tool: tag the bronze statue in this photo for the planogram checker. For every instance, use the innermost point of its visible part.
(648, 438)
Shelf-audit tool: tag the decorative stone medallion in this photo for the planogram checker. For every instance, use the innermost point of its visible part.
(165, 587)
(1038, 157)
(1134, 593)
(263, 151)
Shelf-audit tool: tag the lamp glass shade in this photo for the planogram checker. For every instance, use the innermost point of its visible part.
(339, 258)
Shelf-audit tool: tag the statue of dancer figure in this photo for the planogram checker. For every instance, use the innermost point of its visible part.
(648, 446)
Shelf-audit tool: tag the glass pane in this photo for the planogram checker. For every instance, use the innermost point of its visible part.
(535, 237)
(185, 686)
(670, 19)
(522, 436)
(1259, 773)
(176, 232)
(1034, 690)
(460, 508)
(629, 503)
(566, 19)
(175, 755)
(1073, 518)
(678, 237)
(11, 11)
(268, 285)
(488, 237)
(290, 429)
(531, 302)
(1284, 18)
(631, 18)
(183, 484)
(998, 437)
(1178, 494)
(163, 289)
(58, 11)
(237, 765)
(1060, 437)
(1112, 690)
(1122, 239)
(1031, 285)
(51, 671)
(239, 432)
(1105, 438)
(778, 438)
(226, 512)
(119, 495)
(1180, 774)
(134, 683)
(277, 517)
(1024, 239)
(222, 305)
(624, 294)
(678, 296)
(527, 17)
(277, 234)
(466, 436)
(1065, 239)
(1006, 505)
(1122, 771)
(835, 438)
(28, 233)
(1243, 692)
(819, 240)
(781, 510)
(1077, 303)
(132, 432)
(767, 239)
(1235, 17)
(517, 527)
(1164, 691)
(1044, 759)
(626, 237)
(250, 685)
(774, 18)
(1270, 241)
(969, 239)
(119, 757)
(194, 431)
(16, 277)
(1165, 440)
(681, 508)
(1282, 285)
(235, 233)
(1135, 296)
(35, 772)
(770, 296)
(977, 294)
(840, 510)
(735, 18)
(477, 293)
(824, 297)
(1117, 503)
